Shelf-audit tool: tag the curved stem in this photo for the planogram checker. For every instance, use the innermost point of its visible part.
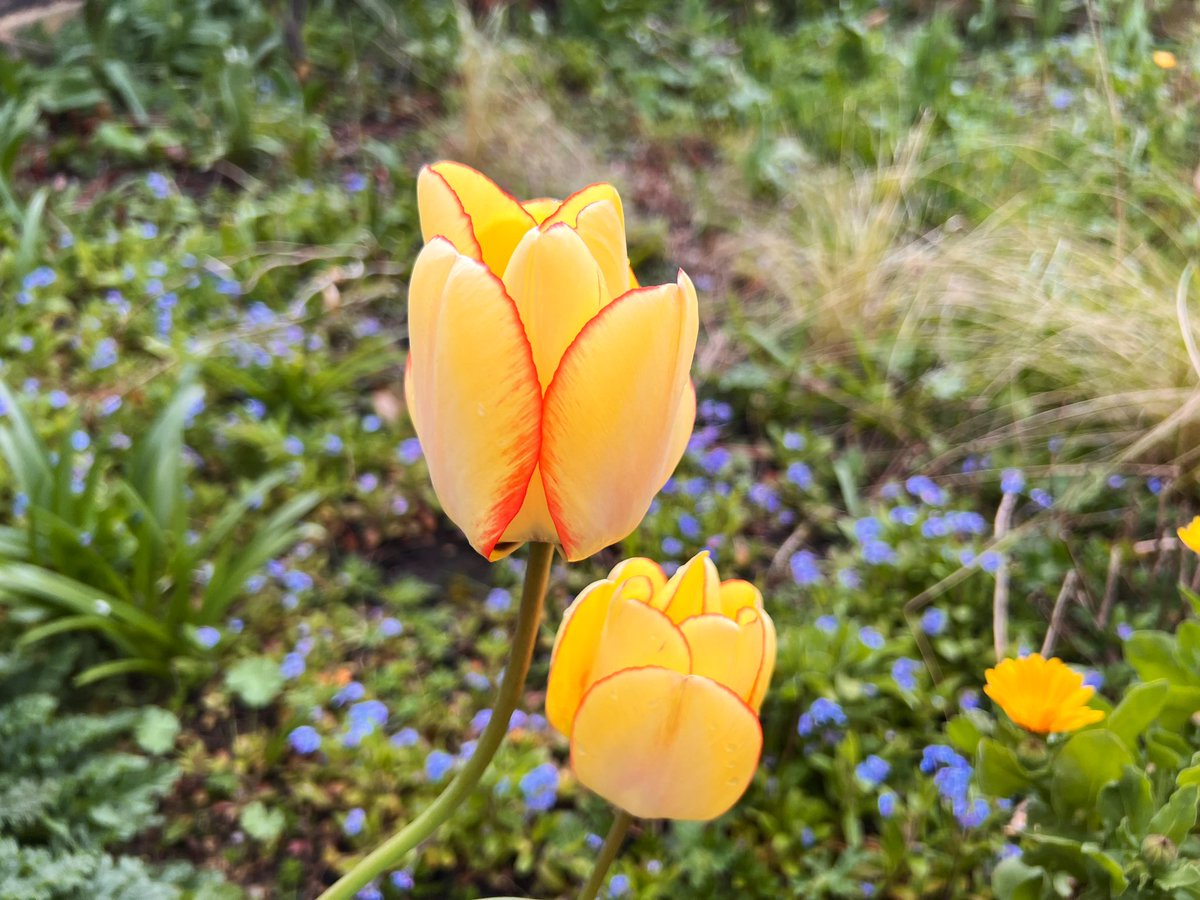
(389, 854)
(612, 845)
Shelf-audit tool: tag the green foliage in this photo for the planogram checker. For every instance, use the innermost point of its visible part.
(68, 791)
(115, 554)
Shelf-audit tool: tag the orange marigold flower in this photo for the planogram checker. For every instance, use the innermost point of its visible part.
(1190, 535)
(1041, 695)
(1164, 59)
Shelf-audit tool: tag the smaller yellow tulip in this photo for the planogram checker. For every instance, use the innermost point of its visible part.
(658, 683)
(1042, 695)
(1190, 535)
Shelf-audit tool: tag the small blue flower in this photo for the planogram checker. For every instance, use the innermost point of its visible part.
(1012, 481)
(42, 276)
(498, 601)
(1154, 484)
(296, 581)
(800, 475)
(850, 579)
(370, 892)
(477, 681)
(58, 399)
(1061, 99)
(437, 764)
(807, 838)
(405, 737)
(104, 355)
(715, 460)
(764, 496)
(989, 561)
(689, 526)
(402, 880)
(924, 488)
(805, 571)
(827, 623)
(391, 627)
(353, 824)
(80, 441)
(355, 182)
(159, 186)
(794, 441)
(333, 444)
(293, 666)
(207, 637)
(368, 482)
(873, 770)
(903, 515)
(887, 804)
(540, 787)
(293, 446)
(1116, 481)
(371, 424)
(878, 553)
(821, 712)
(305, 739)
(933, 621)
(409, 451)
(867, 529)
(974, 815)
(349, 694)
(618, 885)
(1041, 498)
(870, 637)
(672, 546)
(1124, 631)
(480, 721)
(904, 673)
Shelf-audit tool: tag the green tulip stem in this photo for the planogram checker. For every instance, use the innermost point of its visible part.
(612, 846)
(389, 854)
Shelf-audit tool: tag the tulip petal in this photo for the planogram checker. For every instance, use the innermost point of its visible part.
(636, 634)
(498, 221)
(574, 653)
(532, 521)
(542, 208)
(639, 566)
(660, 744)
(681, 432)
(442, 214)
(569, 210)
(693, 590)
(737, 595)
(602, 229)
(557, 288)
(477, 400)
(728, 652)
(767, 668)
(610, 412)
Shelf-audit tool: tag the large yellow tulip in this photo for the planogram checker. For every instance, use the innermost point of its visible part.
(550, 393)
(658, 683)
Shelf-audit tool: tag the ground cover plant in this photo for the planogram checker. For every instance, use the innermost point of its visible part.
(945, 377)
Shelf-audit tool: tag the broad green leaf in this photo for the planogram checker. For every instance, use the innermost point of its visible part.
(1014, 880)
(1178, 817)
(1088, 761)
(998, 771)
(1137, 711)
(1153, 655)
(256, 680)
(964, 734)
(1130, 800)
(261, 823)
(156, 730)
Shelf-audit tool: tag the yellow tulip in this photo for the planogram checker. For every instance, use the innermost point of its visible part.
(550, 393)
(658, 683)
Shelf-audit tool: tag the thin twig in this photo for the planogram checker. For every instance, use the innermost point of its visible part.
(1060, 608)
(1000, 595)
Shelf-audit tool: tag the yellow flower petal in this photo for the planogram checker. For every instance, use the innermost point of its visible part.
(639, 566)
(1190, 535)
(635, 634)
(610, 413)
(693, 590)
(498, 220)
(728, 652)
(574, 653)
(542, 208)
(603, 230)
(475, 393)
(767, 669)
(1044, 696)
(557, 287)
(664, 745)
(532, 522)
(681, 432)
(736, 595)
(1164, 59)
(569, 210)
(442, 214)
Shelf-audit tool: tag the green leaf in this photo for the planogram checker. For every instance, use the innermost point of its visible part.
(1153, 655)
(1176, 820)
(1130, 800)
(1137, 711)
(998, 771)
(156, 730)
(1014, 880)
(1087, 762)
(964, 734)
(261, 823)
(256, 680)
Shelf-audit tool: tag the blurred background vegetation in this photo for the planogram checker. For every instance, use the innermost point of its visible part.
(946, 360)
